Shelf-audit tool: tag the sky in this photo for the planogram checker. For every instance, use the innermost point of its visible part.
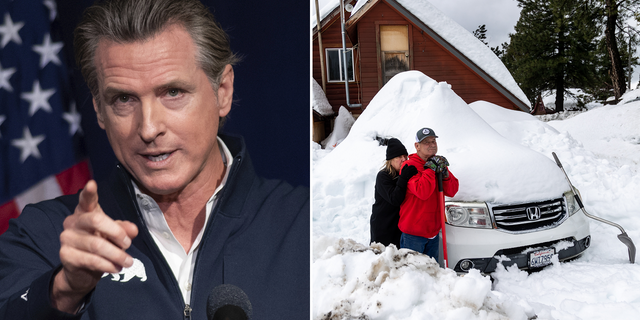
(499, 16)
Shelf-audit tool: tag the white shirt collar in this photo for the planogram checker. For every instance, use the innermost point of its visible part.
(181, 262)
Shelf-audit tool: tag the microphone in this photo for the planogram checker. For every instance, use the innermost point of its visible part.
(228, 302)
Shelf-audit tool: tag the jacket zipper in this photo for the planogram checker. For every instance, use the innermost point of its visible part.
(205, 236)
(187, 307)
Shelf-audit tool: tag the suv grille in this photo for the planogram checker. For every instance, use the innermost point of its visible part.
(528, 217)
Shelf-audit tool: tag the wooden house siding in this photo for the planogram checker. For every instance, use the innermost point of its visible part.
(426, 55)
(332, 38)
(369, 42)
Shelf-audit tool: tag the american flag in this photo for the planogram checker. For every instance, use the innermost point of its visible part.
(41, 153)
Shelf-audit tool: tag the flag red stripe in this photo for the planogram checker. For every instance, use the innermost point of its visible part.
(8, 211)
(74, 178)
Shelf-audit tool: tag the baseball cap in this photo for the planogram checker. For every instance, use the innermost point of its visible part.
(423, 133)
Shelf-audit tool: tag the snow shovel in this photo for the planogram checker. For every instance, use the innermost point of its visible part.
(622, 237)
(444, 218)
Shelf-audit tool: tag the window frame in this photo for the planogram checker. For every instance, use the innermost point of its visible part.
(341, 64)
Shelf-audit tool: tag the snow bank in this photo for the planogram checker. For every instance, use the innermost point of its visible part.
(577, 290)
(319, 101)
(623, 142)
(353, 281)
(341, 127)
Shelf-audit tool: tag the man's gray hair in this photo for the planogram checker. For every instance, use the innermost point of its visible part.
(127, 21)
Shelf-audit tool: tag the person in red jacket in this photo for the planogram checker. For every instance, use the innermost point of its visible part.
(420, 217)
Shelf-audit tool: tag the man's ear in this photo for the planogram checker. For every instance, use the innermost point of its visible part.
(225, 91)
(98, 114)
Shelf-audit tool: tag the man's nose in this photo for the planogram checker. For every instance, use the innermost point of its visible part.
(152, 120)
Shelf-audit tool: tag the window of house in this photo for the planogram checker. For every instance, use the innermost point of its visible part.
(394, 49)
(335, 66)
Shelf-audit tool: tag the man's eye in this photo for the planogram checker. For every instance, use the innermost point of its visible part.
(124, 98)
(173, 92)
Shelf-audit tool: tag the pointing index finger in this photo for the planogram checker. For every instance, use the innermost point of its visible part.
(89, 197)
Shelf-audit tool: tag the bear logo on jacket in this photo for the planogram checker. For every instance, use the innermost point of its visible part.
(136, 270)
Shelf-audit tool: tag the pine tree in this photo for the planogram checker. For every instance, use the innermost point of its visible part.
(553, 47)
(481, 34)
(615, 15)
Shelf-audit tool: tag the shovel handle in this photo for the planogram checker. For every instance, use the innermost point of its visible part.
(443, 218)
(557, 160)
(577, 198)
(439, 179)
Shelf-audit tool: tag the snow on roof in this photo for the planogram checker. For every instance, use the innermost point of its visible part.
(326, 7)
(465, 42)
(456, 35)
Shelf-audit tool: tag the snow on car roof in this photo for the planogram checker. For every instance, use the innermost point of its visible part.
(489, 166)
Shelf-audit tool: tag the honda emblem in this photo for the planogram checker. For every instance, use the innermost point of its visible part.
(533, 213)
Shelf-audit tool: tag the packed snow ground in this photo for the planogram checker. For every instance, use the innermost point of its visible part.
(599, 149)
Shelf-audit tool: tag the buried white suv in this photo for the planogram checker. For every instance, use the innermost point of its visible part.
(482, 234)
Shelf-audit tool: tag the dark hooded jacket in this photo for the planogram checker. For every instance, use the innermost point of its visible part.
(257, 238)
(389, 194)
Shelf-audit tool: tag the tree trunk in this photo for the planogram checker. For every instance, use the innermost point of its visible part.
(617, 70)
(559, 94)
(560, 70)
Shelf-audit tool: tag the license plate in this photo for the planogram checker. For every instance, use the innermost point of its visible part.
(541, 258)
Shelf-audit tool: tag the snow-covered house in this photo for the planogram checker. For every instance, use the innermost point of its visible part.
(385, 37)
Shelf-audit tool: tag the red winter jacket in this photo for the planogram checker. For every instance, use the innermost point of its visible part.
(419, 214)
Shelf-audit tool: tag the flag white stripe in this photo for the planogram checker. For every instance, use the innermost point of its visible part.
(45, 189)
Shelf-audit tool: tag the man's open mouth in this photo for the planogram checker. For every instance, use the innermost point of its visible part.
(160, 157)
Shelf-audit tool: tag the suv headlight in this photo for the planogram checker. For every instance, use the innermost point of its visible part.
(572, 204)
(468, 214)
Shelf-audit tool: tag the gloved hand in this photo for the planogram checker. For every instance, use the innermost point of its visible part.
(438, 164)
(431, 164)
(407, 172)
(441, 162)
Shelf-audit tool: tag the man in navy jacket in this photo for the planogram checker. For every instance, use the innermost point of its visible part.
(183, 211)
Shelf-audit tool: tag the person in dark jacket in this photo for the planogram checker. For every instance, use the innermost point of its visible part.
(390, 190)
(183, 212)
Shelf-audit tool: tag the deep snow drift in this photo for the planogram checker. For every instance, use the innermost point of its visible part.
(598, 148)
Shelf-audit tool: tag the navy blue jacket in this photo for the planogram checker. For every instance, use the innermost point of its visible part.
(257, 239)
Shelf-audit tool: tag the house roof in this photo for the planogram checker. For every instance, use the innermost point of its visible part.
(452, 36)
(328, 10)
